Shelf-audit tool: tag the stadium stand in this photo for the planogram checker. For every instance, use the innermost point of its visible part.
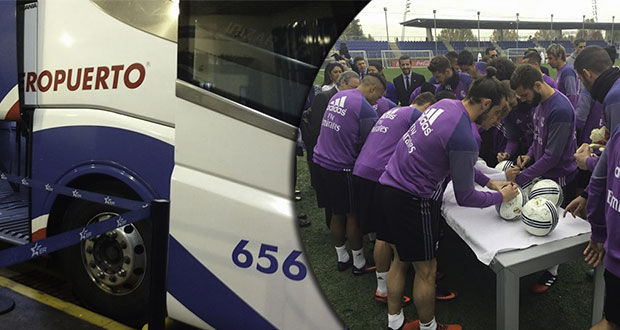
(513, 44)
(568, 45)
(461, 45)
(423, 45)
(372, 48)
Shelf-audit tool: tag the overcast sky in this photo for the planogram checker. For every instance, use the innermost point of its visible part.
(372, 17)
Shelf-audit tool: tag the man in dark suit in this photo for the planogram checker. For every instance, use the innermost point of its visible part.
(407, 82)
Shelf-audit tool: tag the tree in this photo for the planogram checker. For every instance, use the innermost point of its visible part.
(509, 35)
(546, 35)
(590, 34)
(456, 34)
(354, 32)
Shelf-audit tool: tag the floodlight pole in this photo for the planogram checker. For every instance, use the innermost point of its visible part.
(407, 5)
(386, 24)
(612, 30)
(478, 29)
(517, 30)
(552, 23)
(435, 23)
(583, 26)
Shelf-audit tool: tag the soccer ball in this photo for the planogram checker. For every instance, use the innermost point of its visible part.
(527, 186)
(504, 165)
(512, 209)
(539, 216)
(547, 189)
(481, 161)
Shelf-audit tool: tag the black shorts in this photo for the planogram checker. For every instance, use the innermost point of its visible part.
(335, 190)
(367, 204)
(612, 298)
(583, 178)
(413, 223)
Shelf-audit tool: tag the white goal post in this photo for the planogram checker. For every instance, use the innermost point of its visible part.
(419, 58)
(516, 54)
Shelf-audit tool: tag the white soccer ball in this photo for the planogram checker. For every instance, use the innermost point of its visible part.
(504, 165)
(511, 210)
(539, 216)
(527, 186)
(547, 189)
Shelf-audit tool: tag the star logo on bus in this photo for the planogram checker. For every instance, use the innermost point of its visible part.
(109, 201)
(38, 250)
(120, 221)
(76, 194)
(48, 187)
(85, 234)
(24, 182)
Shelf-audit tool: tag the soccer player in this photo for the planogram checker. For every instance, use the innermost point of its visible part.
(566, 77)
(359, 66)
(580, 44)
(553, 147)
(439, 144)
(603, 81)
(390, 93)
(491, 52)
(533, 58)
(310, 133)
(347, 122)
(448, 77)
(466, 64)
(369, 166)
(407, 82)
(453, 57)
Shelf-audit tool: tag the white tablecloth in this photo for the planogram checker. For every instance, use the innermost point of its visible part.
(487, 234)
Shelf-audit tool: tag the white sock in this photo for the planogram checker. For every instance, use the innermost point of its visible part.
(372, 236)
(396, 320)
(343, 256)
(554, 270)
(432, 325)
(358, 258)
(382, 283)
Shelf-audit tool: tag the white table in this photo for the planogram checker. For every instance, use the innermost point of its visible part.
(512, 253)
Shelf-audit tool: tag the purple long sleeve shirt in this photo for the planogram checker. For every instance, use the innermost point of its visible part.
(347, 121)
(603, 203)
(568, 83)
(439, 144)
(550, 81)
(588, 116)
(382, 140)
(383, 105)
(458, 84)
(554, 142)
(519, 129)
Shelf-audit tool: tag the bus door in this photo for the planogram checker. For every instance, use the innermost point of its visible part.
(244, 71)
(14, 220)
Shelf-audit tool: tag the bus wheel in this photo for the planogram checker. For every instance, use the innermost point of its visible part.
(109, 272)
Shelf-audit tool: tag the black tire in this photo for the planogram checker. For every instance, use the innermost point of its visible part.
(129, 304)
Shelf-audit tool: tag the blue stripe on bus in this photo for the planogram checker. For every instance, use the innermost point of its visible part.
(205, 295)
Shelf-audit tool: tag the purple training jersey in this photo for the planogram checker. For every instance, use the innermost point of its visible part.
(554, 142)
(550, 81)
(568, 84)
(519, 129)
(458, 84)
(439, 144)
(382, 140)
(346, 124)
(589, 116)
(603, 204)
(383, 105)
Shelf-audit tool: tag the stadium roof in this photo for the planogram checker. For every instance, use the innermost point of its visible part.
(505, 25)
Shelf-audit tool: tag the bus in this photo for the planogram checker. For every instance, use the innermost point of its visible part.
(196, 102)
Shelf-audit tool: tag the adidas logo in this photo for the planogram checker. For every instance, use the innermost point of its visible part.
(339, 101)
